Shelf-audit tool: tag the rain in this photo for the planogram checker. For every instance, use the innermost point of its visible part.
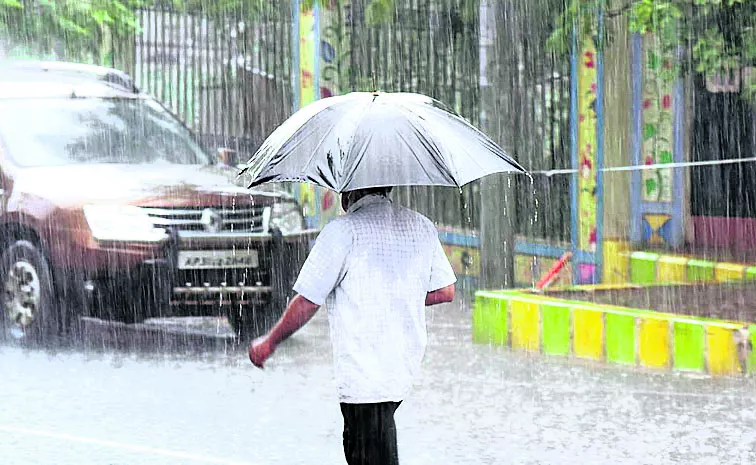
(588, 166)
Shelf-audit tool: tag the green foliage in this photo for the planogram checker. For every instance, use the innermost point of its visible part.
(383, 11)
(76, 29)
(71, 28)
(581, 16)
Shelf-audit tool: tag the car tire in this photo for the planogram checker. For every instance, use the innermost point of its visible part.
(253, 321)
(27, 296)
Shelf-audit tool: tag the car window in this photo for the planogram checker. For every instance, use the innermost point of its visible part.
(53, 132)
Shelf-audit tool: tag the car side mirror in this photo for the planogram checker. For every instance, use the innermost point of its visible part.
(227, 156)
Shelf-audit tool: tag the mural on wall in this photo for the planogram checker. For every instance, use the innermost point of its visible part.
(307, 33)
(587, 146)
(320, 205)
(657, 121)
(308, 36)
(658, 213)
(331, 38)
(656, 228)
(465, 261)
(330, 43)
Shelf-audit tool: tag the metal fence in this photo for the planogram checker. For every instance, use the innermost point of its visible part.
(532, 120)
(227, 76)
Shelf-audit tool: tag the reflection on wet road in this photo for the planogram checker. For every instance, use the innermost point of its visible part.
(145, 397)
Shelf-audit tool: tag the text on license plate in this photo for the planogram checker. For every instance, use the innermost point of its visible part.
(214, 259)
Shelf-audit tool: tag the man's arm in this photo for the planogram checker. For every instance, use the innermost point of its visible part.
(297, 314)
(440, 296)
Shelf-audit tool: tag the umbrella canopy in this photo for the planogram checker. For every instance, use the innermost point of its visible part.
(363, 139)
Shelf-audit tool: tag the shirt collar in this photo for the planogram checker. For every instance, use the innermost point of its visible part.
(368, 200)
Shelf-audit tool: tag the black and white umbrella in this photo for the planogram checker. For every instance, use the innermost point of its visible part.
(374, 139)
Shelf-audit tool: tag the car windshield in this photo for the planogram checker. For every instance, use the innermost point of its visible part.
(54, 132)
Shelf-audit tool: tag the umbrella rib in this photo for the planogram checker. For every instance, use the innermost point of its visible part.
(414, 118)
(440, 113)
(347, 179)
(424, 140)
(320, 142)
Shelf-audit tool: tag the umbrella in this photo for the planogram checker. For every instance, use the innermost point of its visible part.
(371, 139)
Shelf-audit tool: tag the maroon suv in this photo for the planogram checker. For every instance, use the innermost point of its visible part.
(110, 208)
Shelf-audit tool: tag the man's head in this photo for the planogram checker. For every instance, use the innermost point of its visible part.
(350, 197)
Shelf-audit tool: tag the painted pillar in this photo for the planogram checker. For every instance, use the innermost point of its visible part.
(330, 39)
(587, 158)
(332, 44)
(307, 29)
(320, 205)
(658, 106)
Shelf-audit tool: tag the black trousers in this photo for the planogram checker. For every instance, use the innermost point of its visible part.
(370, 433)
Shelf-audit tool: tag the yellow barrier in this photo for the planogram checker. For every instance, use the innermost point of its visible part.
(724, 272)
(654, 343)
(721, 354)
(525, 319)
(672, 269)
(588, 333)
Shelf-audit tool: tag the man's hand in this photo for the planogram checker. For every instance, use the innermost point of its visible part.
(440, 296)
(298, 313)
(259, 351)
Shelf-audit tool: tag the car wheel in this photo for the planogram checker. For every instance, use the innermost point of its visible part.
(253, 321)
(28, 300)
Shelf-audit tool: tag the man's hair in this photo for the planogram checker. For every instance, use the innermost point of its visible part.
(384, 191)
(350, 197)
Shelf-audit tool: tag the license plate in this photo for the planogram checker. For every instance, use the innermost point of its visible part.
(217, 259)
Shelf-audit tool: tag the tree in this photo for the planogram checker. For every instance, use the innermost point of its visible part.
(78, 29)
(73, 29)
(717, 35)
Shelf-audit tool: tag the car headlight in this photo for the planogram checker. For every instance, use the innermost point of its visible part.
(286, 217)
(121, 223)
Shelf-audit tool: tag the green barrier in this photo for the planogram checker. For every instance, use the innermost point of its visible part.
(620, 337)
(700, 270)
(643, 267)
(689, 346)
(555, 320)
(750, 272)
(490, 319)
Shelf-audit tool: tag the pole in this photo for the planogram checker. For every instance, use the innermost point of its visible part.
(497, 232)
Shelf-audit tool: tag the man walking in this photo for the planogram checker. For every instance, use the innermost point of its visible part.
(375, 268)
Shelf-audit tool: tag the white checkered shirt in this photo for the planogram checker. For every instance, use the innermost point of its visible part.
(373, 268)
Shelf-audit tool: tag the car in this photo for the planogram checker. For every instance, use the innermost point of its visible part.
(110, 208)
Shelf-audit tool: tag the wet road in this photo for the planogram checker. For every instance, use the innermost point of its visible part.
(125, 398)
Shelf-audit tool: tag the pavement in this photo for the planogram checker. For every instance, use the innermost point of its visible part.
(182, 391)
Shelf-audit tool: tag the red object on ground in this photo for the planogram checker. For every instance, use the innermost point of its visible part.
(549, 277)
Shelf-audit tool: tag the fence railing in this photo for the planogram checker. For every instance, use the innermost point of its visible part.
(227, 76)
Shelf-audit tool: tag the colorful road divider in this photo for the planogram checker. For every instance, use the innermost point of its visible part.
(535, 323)
(650, 267)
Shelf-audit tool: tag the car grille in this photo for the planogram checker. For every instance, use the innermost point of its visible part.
(237, 219)
(230, 277)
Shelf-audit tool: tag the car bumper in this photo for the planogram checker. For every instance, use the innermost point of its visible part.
(157, 271)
